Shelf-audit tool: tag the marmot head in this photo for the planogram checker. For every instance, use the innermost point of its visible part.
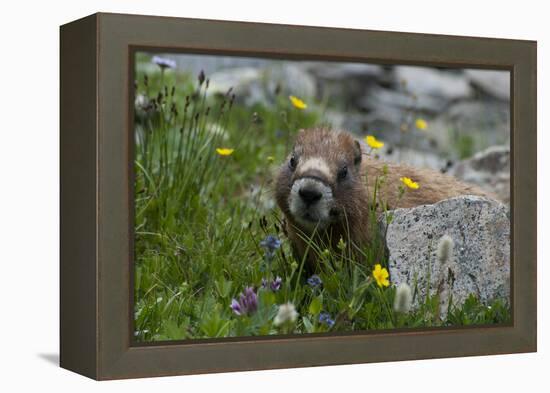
(318, 184)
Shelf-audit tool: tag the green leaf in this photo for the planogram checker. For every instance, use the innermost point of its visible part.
(214, 326)
(267, 298)
(173, 330)
(223, 287)
(316, 305)
(308, 325)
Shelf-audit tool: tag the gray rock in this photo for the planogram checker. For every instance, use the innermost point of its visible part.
(489, 169)
(468, 112)
(258, 85)
(209, 64)
(379, 124)
(479, 264)
(412, 157)
(494, 83)
(344, 84)
(291, 79)
(466, 127)
(492, 119)
(379, 99)
(344, 71)
(245, 81)
(432, 82)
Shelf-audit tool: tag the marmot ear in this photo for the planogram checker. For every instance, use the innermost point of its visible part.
(357, 152)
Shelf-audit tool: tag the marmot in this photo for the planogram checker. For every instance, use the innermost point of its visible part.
(327, 184)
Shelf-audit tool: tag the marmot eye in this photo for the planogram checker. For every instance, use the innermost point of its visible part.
(292, 163)
(342, 173)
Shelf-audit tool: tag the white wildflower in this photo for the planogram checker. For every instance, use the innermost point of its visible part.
(142, 102)
(287, 313)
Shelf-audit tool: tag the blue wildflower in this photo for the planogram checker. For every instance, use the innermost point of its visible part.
(270, 244)
(325, 319)
(314, 281)
(247, 304)
(163, 62)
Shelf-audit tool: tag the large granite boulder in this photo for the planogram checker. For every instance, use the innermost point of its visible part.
(454, 248)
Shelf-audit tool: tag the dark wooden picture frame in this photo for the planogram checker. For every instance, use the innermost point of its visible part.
(96, 195)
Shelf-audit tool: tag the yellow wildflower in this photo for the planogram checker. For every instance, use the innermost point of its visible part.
(373, 142)
(270, 158)
(298, 103)
(410, 183)
(421, 124)
(381, 275)
(223, 151)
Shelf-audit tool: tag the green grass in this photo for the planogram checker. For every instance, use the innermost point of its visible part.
(200, 218)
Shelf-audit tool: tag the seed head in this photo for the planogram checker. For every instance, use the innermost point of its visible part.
(403, 298)
(187, 102)
(201, 77)
(445, 249)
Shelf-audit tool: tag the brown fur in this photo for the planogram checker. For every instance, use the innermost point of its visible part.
(354, 196)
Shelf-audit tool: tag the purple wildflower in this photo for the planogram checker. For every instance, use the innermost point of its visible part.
(270, 244)
(163, 62)
(236, 307)
(274, 285)
(325, 319)
(314, 281)
(247, 304)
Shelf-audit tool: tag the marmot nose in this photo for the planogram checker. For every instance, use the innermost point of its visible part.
(309, 195)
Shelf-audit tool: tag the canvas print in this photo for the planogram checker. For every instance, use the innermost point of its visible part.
(277, 197)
